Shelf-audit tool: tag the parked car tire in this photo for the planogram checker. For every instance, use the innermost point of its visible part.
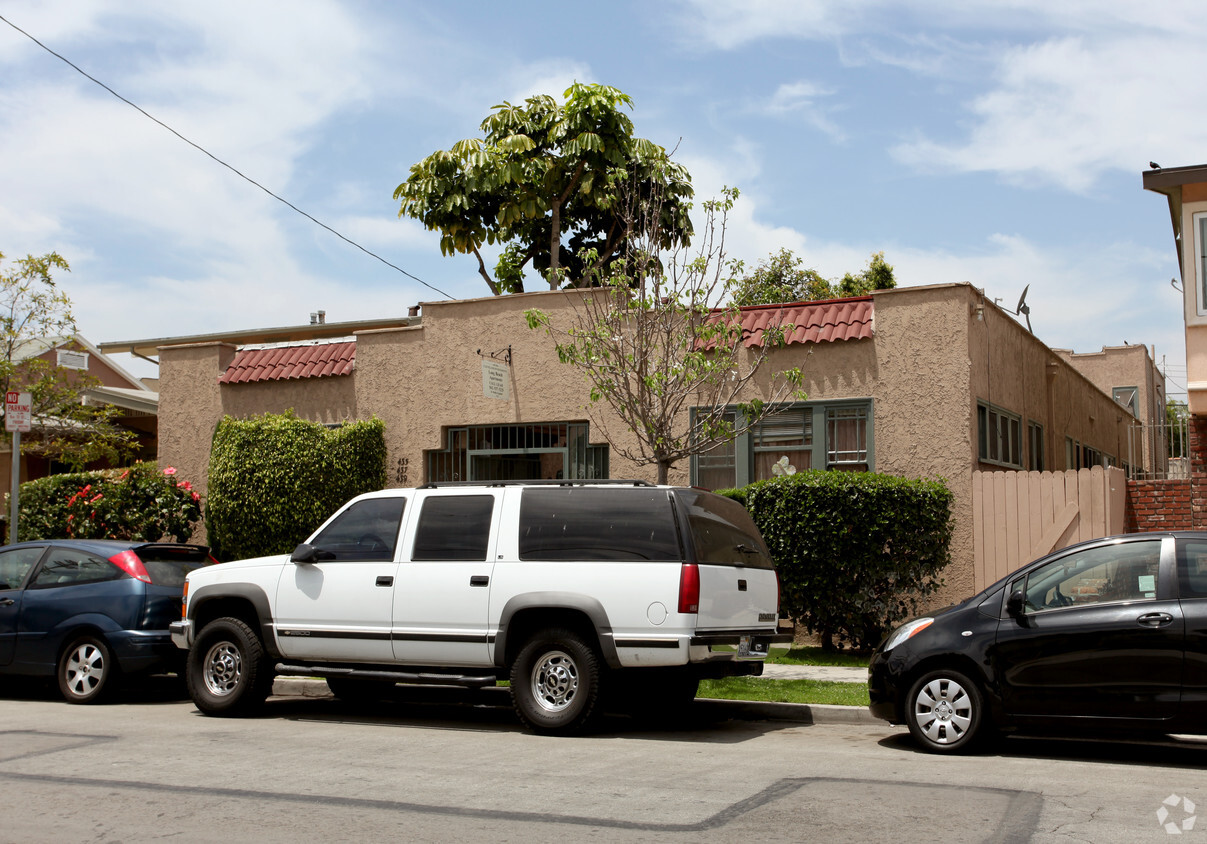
(228, 671)
(555, 683)
(945, 711)
(86, 670)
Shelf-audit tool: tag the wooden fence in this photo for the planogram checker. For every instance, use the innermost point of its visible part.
(1019, 516)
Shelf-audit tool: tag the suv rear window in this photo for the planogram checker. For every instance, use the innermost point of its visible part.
(588, 524)
(723, 532)
(167, 566)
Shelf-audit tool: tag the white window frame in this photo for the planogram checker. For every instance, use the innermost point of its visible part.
(1198, 223)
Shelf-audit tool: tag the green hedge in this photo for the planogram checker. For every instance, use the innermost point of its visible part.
(138, 503)
(274, 478)
(856, 551)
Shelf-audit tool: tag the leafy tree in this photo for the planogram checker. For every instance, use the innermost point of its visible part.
(782, 277)
(667, 366)
(543, 174)
(33, 308)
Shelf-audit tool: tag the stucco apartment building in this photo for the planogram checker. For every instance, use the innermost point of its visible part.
(933, 381)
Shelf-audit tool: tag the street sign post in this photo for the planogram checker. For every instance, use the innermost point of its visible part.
(18, 418)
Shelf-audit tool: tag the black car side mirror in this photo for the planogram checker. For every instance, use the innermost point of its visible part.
(1016, 603)
(304, 553)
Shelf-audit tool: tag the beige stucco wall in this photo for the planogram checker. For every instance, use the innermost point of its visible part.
(930, 361)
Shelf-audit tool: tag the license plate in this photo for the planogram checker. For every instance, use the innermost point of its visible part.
(750, 649)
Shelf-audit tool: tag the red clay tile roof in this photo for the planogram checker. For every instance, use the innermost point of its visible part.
(813, 322)
(285, 362)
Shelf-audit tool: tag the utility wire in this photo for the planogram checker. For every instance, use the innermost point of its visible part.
(202, 149)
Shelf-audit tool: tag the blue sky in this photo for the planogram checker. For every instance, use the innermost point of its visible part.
(999, 143)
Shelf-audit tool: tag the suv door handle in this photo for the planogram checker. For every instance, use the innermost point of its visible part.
(7, 602)
(1155, 619)
(479, 580)
(385, 580)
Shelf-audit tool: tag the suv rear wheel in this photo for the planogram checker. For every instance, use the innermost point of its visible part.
(228, 671)
(555, 683)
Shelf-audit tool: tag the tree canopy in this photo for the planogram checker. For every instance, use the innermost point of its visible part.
(543, 182)
(669, 368)
(782, 277)
(33, 308)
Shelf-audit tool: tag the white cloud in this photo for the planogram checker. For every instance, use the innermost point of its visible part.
(1066, 110)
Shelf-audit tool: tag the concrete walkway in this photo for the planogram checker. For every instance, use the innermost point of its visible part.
(834, 673)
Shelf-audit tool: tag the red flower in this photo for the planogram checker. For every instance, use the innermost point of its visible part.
(96, 498)
(171, 470)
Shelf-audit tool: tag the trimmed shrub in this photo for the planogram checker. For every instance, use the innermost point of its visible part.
(274, 478)
(856, 551)
(140, 503)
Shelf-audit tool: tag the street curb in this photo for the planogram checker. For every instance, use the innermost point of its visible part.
(800, 713)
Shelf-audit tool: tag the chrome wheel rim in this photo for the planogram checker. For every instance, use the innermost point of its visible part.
(85, 669)
(555, 681)
(943, 711)
(223, 669)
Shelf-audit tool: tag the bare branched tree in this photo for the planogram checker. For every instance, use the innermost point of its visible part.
(666, 362)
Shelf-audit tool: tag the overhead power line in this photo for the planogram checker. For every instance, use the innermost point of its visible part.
(202, 149)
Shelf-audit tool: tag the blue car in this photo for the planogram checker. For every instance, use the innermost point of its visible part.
(88, 611)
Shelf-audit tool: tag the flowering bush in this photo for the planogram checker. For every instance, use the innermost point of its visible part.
(141, 503)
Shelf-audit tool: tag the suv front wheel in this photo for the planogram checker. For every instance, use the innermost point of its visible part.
(228, 671)
(555, 683)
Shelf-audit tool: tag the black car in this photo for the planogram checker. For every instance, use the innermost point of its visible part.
(87, 611)
(1108, 634)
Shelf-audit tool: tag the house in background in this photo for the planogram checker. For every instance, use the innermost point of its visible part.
(933, 381)
(138, 403)
(1178, 503)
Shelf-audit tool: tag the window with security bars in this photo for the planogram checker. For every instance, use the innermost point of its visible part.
(847, 438)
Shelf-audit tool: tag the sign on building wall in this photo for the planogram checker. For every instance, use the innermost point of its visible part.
(496, 380)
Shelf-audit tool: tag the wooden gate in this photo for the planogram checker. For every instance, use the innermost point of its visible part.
(1019, 516)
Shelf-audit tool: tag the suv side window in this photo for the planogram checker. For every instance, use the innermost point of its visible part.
(587, 524)
(365, 532)
(67, 567)
(454, 527)
(15, 564)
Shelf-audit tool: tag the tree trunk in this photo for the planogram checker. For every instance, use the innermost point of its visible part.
(664, 468)
(555, 244)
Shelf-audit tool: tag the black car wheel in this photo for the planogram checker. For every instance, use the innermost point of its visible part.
(86, 670)
(555, 683)
(945, 712)
(228, 671)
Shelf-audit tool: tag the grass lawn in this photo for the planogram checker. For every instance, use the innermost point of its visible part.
(786, 691)
(816, 656)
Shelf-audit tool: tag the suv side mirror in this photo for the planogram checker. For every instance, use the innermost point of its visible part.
(304, 553)
(1016, 603)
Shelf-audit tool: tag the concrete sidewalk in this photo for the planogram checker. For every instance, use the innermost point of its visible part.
(721, 709)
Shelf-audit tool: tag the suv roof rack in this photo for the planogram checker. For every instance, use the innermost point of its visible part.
(563, 482)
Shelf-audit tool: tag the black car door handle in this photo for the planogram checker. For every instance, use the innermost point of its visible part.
(479, 580)
(385, 580)
(1155, 619)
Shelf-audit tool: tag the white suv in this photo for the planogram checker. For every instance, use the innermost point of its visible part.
(570, 590)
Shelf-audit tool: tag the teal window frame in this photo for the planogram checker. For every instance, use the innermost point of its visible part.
(816, 437)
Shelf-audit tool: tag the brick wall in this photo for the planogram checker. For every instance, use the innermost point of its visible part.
(1173, 504)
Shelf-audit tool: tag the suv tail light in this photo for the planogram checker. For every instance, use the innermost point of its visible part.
(689, 588)
(130, 563)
